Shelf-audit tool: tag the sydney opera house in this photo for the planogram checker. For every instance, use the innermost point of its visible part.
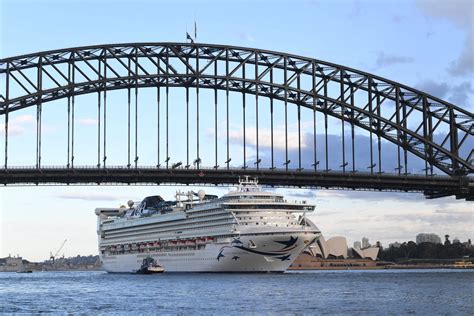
(336, 248)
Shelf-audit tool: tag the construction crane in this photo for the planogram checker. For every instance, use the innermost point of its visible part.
(51, 257)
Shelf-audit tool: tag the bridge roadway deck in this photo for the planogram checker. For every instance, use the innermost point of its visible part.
(432, 186)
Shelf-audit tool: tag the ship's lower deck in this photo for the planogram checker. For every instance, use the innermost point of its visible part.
(262, 252)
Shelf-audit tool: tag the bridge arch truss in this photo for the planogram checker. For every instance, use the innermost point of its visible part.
(438, 132)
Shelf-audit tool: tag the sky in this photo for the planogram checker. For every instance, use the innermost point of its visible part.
(420, 43)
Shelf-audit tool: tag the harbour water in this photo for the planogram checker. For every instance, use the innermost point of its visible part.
(433, 292)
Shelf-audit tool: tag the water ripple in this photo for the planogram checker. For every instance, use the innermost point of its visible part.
(308, 293)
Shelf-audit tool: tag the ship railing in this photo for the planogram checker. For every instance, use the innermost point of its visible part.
(266, 201)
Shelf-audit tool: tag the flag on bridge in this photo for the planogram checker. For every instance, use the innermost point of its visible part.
(188, 37)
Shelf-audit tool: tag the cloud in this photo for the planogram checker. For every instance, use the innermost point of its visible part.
(371, 195)
(457, 94)
(265, 137)
(397, 19)
(460, 93)
(434, 88)
(362, 158)
(464, 65)
(375, 196)
(431, 217)
(384, 60)
(456, 211)
(23, 119)
(92, 196)
(461, 14)
(18, 125)
(88, 121)
(246, 37)
(304, 194)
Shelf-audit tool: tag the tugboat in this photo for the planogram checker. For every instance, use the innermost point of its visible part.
(150, 266)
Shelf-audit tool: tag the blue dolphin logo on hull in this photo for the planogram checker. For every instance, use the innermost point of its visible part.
(282, 254)
(287, 243)
(220, 255)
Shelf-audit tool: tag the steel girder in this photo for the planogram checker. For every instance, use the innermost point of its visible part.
(438, 187)
(402, 115)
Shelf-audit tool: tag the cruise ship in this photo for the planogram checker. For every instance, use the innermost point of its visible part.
(246, 230)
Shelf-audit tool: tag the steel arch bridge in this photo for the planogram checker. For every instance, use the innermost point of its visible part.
(416, 124)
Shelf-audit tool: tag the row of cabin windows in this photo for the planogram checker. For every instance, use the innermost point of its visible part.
(164, 225)
(279, 214)
(253, 197)
(269, 207)
(271, 224)
(281, 219)
(207, 211)
(171, 230)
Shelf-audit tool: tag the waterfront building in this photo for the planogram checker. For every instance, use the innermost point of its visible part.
(11, 264)
(365, 242)
(424, 237)
(366, 253)
(357, 244)
(467, 244)
(336, 248)
(307, 262)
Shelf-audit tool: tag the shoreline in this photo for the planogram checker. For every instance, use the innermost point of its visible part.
(296, 269)
(394, 267)
(308, 262)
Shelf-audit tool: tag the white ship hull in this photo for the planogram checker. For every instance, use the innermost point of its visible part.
(263, 252)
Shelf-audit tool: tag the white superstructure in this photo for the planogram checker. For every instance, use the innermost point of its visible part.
(246, 230)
